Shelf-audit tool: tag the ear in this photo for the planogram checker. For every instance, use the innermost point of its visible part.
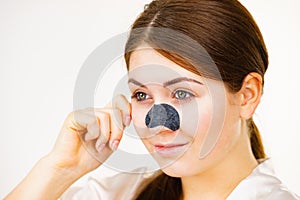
(250, 94)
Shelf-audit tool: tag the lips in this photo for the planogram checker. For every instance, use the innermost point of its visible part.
(170, 150)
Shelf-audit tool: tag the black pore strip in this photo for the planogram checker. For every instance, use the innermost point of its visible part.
(163, 115)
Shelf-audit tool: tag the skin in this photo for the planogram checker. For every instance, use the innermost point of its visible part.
(69, 160)
(212, 177)
(230, 161)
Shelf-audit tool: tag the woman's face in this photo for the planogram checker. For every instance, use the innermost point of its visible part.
(204, 123)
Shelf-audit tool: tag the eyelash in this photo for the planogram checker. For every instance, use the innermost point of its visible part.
(188, 95)
(135, 96)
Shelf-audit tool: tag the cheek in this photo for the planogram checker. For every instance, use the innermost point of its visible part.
(217, 143)
(231, 129)
(138, 114)
(196, 117)
(200, 123)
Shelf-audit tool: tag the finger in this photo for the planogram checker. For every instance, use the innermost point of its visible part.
(116, 129)
(104, 130)
(120, 102)
(93, 130)
(78, 121)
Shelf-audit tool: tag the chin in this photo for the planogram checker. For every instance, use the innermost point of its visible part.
(179, 167)
(177, 171)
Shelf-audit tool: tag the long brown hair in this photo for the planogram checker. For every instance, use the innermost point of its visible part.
(227, 32)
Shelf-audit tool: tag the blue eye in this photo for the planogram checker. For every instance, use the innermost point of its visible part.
(140, 96)
(182, 95)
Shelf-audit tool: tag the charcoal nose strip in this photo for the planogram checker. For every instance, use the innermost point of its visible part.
(163, 115)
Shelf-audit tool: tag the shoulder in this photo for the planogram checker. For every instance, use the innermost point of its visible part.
(262, 183)
(119, 186)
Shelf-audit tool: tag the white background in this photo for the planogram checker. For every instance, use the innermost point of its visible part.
(44, 43)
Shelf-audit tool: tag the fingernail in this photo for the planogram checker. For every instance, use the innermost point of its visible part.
(127, 120)
(114, 145)
(100, 147)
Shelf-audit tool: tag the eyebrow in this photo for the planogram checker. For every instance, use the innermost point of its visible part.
(180, 79)
(168, 83)
(131, 80)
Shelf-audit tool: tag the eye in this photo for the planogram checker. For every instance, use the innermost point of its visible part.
(182, 95)
(140, 96)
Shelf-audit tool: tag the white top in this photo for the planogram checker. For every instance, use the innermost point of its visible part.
(260, 184)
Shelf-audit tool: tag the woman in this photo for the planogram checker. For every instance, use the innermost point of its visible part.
(196, 73)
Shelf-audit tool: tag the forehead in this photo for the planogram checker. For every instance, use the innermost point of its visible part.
(147, 65)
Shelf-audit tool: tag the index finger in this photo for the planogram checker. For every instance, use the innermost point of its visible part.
(120, 102)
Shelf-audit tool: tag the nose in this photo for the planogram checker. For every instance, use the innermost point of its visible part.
(163, 115)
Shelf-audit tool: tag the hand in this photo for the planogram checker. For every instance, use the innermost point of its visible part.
(86, 139)
(100, 129)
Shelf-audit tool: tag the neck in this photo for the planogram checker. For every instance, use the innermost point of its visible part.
(218, 182)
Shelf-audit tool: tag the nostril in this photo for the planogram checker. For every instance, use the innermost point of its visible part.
(163, 115)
